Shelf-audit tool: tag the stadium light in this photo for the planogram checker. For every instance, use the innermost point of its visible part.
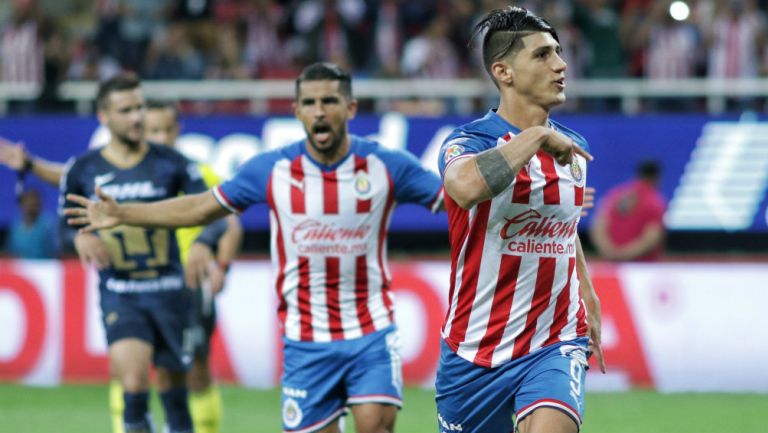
(679, 10)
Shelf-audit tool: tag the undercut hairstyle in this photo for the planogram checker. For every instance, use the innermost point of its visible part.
(158, 104)
(118, 83)
(504, 32)
(326, 71)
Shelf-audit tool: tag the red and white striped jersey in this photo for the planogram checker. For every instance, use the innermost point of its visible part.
(21, 51)
(328, 232)
(514, 286)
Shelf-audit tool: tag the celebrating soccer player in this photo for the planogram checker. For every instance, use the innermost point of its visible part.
(331, 197)
(523, 315)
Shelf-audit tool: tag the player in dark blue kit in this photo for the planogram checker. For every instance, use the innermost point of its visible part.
(145, 303)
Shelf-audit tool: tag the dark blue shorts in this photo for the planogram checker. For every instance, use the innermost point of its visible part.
(475, 399)
(321, 379)
(162, 320)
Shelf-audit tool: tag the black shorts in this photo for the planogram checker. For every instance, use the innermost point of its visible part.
(161, 319)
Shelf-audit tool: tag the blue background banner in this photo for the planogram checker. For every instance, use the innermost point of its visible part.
(617, 142)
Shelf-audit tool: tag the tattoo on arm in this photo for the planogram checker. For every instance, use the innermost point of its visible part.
(495, 170)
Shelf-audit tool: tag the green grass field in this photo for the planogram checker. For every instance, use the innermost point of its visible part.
(83, 409)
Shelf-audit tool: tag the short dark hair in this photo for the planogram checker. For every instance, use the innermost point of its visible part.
(118, 83)
(326, 71)
(504, 32)
(649, 169)
(159, 104)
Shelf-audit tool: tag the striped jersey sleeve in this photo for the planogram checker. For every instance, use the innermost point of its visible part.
(249, 185)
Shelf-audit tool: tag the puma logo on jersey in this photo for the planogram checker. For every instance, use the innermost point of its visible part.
(134, 190)
(103, 179)
(298, 184)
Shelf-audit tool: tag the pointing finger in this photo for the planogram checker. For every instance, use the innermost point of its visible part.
(579, 151)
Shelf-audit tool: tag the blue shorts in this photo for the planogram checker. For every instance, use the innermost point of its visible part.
(162, 320)
(475, 399)
(321, 379)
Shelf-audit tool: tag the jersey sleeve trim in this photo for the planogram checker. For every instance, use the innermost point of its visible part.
(454, 159)
(224, 201)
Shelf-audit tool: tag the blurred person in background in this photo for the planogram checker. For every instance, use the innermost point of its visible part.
(138, 22)
(331, 31)
(598, 21)
(22, 50)
(523, 315)
(174, 57)
(736, 42)
(628, 223)
(267, 49)
(431, 54)
(331, 197)
(389, 32)
(88, 62)
(672, 50)
(33, 234)
(162, 126)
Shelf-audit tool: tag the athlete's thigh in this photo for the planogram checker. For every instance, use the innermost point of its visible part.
(374, 417)
(471, 398)
(376, 372)
(555, 381)
(313, 396)
(130, 362)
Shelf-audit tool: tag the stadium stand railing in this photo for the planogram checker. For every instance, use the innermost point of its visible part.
(630, 91)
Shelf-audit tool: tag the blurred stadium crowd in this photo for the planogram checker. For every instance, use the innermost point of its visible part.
(46, 42)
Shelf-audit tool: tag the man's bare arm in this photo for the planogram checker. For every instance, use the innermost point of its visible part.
(229, 244)
(189, 210)
(16, 157)
(48, 171)
(592, 303)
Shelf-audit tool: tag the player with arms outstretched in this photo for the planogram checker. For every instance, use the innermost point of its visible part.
(523, 314)
(330, 197)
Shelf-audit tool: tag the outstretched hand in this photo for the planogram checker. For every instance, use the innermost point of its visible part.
(562, 148)
(12, 155)
(94, 215)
